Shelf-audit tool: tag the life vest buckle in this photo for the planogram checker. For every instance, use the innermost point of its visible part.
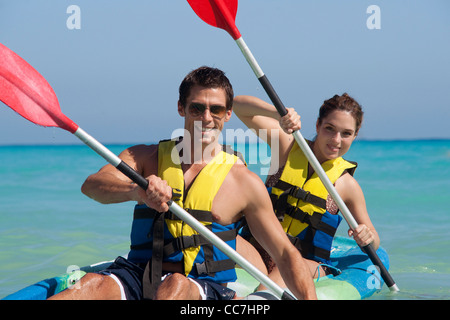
(185, 242)
(299, 193)
(307, 196)
(201, 268)
(176, 196)
(298, 214)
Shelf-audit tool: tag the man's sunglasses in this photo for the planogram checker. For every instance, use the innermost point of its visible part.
(197, 109)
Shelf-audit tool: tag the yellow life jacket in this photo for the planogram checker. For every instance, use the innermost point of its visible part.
(179, 241)
(300, 204)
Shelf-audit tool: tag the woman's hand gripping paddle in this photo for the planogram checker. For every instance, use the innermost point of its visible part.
(222, 14)
(25, 91)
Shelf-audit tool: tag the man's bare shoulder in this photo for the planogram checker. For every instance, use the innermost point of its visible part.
(143, 158)
(146, 149)
(140, 151)
(246, 178)
(243, 193)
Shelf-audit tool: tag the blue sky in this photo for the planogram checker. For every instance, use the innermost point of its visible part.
(117, 76)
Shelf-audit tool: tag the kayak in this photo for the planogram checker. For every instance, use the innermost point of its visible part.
(354, 278)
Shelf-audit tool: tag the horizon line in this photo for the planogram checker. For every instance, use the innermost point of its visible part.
(62, 144)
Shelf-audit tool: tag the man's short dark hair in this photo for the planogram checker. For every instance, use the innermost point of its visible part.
(209, 78)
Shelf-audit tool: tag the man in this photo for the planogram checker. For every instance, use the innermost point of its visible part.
(212, 184)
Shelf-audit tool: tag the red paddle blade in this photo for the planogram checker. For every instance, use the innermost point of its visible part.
(218, 13)
(26, 91)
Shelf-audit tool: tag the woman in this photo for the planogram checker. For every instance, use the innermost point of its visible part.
(307, 212)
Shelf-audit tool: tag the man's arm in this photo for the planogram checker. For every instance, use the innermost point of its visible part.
(267, 230)
(109, 185)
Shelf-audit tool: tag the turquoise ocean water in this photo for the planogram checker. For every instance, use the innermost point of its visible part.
(47, 225)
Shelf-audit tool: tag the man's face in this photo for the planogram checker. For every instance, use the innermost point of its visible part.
(205, 113)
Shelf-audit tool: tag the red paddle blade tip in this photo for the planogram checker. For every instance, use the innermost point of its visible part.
(218, 13)
(27, 92)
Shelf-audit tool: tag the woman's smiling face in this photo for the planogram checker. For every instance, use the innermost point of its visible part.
(335, 135)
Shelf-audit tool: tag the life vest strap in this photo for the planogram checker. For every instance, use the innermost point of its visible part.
(209, 267)
(314, 220)
(196, 240)
(153, 279)
(300, 194)
(200, 215)
(148, 213)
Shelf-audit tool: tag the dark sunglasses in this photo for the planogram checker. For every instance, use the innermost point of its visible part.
(197, 109)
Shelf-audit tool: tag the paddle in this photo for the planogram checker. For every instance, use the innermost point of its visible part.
(222, 14)
(26, 91)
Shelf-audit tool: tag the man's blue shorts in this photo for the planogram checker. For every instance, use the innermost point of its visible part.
(130, 276)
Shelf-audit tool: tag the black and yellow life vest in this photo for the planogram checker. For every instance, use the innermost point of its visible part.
(177, 240)
(300, 204)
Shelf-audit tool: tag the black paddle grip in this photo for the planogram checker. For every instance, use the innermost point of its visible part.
(377, 262)
(136, 177)
(272, 95)
(133, 175)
